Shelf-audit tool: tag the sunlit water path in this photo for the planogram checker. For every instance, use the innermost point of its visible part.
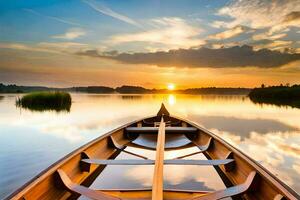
(31, 141)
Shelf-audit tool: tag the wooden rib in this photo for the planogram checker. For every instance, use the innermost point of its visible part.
(152, 162)
(279, 197)
(229, 192)
(92, 194)
(157, 185)
(167, 129)
(202, 149)
(122, 148)
(134, 154)
(134, 145)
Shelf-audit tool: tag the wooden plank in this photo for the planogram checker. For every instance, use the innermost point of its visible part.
(197, 162)
(122, 148)
(157, 185)
(134, 145)
(92, 194)
(167, 129)
(134, 154)
(119, 162)
(152, 162)
(230, 192)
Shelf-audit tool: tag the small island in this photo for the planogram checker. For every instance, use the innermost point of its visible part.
(277, 95)
(45, 101)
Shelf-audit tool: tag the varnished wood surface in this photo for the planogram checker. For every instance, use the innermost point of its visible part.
(119, 162)
(157, 184)
(167, 129)
(152, 162)
(92, 194)
(229, 192)
(202, 149)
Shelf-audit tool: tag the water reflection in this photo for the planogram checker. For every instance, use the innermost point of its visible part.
(131, 97)
(46, 109)
(243, 127)
(172, 99)
(279, 103)
(34, 140)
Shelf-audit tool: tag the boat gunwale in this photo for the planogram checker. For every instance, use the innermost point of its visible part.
(54, 166)
(265, 173)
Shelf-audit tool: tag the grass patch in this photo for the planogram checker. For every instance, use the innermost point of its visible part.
(44, 101)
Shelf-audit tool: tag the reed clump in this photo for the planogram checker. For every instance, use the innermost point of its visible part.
(43, 101)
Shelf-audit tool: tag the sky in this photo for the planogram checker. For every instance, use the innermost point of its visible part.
(191, 43)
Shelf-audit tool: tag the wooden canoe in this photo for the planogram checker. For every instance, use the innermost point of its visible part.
(70, 177)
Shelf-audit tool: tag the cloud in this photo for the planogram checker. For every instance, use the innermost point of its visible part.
(243, 127)
(272, 44)
(65, 47)
(235, 31)
(24, 47)
(291, 19)
(107, 11)
(51, 17)
(47, 47)
(263, 36)
(71, 34)
(205, 58)
(171, 32)
(259, 13)
(219, 24)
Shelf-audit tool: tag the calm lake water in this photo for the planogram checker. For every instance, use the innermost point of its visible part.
(31, 141)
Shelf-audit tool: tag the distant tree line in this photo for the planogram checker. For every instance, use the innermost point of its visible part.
(278, 95)
(20, 89)
(276, 92)
(93, 89)
(215, 90)
(125, 89)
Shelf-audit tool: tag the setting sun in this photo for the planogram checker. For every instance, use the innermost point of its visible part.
(171, 86)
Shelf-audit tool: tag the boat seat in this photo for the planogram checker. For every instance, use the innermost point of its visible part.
(99, 195)
(152, 162)
(172, 129)
(174, 123)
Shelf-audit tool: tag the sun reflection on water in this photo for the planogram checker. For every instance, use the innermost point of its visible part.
(171, 99)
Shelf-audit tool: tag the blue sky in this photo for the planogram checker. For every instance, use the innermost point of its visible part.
(32, 22)
(88, 30)
(36, 21)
